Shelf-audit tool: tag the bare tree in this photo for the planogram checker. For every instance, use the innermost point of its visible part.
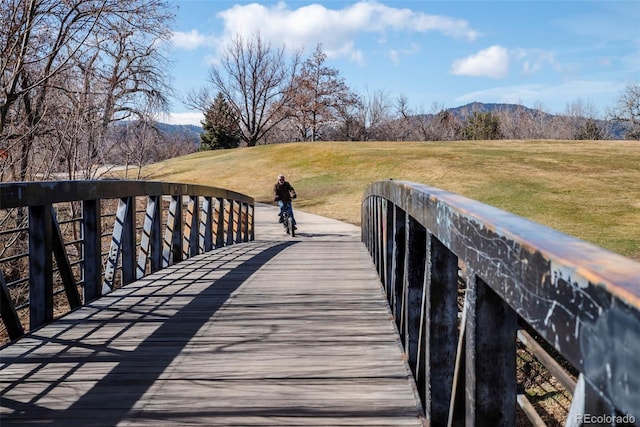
(256, 80)
(35, 35)
(575, 116)
(37, 41)
(627, 110)
(124, 78)
(446, 126)
(69, 69)
(173, 145)
(135, 141)
(318, 95)
(523, 123)
(437, 125)
(373, 116)
(404, 127)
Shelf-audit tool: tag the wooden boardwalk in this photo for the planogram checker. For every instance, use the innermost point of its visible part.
(275, 332)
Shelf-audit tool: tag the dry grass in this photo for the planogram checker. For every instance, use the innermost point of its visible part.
(588, 189)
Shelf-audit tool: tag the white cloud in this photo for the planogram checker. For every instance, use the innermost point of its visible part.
(491, 62)
(533, 60)
(336, 29)
(189, 41)
(495, 62)
(396, 54)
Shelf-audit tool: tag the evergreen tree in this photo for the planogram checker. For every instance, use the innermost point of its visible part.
(482, 126)
(589, 131)
(221, 126)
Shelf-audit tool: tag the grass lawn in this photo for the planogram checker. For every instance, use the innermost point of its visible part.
(588, 189)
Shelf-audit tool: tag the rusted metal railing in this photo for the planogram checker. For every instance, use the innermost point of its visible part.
(82, 239)
(460, 341)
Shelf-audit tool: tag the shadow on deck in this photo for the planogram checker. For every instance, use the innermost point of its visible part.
(278, 331)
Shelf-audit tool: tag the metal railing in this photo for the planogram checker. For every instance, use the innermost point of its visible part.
(465, 281)
(66, 243)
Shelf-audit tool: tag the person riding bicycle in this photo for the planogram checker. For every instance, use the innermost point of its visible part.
(283, 193)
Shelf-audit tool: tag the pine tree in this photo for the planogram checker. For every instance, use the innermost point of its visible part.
(221, 126)
(589, 131)
(482, 126)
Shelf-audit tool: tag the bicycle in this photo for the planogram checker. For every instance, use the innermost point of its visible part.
(287, 221)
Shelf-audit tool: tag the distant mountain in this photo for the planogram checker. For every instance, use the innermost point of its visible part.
(191, 132)
(617, 130)
(188, 129)
(465, 111)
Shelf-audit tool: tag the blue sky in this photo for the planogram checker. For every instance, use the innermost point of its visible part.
(542, 54)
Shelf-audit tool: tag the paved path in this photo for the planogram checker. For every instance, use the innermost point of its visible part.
(310, 227)
(281, 331)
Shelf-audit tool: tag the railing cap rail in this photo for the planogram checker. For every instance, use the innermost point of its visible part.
(34, 193)
(587, 262)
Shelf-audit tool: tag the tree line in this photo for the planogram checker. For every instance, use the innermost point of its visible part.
(263, 97)
(82, 81)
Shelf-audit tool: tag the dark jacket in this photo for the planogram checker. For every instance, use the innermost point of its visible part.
(284, 192)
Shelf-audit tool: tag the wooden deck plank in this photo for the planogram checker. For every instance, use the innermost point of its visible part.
(273, 332)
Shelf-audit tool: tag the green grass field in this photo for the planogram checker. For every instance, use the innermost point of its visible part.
(588, 189)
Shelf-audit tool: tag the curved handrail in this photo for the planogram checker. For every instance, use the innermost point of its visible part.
(584, 300)
(179, 221)
(22, 194)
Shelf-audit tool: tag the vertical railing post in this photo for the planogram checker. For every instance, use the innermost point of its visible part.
(399, 246)
(156, 233)
(151, 240)
(490, 357)
(204, 231)
(439, 336)
(230, 204)
(190, 236)
(373, 227)
(172, 244)
(374, 249)
(381, 238)
(40, 266)
(366, 223)
(389, 247)
(364, 235)
(414, 279)
(251, 212)
(176, 237)
(129, 242)
(237, 223)
(121, 245)
(243, 221)
(371, 238)
(219, 223)
(92, 250)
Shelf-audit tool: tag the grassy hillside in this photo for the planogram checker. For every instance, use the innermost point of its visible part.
(589, 189)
